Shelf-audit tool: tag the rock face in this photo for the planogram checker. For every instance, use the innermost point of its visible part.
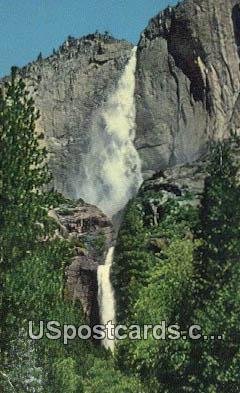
(69, 87)
(92, 234)
(188, 81)
(187, 89)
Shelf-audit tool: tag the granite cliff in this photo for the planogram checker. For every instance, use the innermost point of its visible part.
(187, 81)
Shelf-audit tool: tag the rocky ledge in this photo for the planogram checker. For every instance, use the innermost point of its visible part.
(92, 234)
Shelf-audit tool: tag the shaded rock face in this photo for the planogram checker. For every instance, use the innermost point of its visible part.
(179, 181)
(69, 87)
(92, 234)
(187, 81)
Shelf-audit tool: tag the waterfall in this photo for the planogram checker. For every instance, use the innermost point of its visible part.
(106, 296)
(112, 166)
(112, 171)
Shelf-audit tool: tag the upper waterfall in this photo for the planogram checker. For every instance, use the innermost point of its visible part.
(112, 167)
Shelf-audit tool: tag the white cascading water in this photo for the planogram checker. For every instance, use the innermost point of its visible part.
(112, 172)
(106, 298)
(112, 166)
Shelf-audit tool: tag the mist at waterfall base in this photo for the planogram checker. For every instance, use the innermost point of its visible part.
(112, 166)
(113, 173)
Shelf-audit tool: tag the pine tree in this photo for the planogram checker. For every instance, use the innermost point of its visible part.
(24, 174)
(40, 57)
(216, 308)
(220, 220)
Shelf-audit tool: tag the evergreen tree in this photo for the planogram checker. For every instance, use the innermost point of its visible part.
(40, 57)
(215, 363)
(24, 173)
(220, 222)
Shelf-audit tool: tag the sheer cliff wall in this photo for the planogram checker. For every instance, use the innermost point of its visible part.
(188, 81)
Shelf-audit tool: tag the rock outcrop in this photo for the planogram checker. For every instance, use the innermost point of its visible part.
(188, 81)
(91, 233)
(179, 181)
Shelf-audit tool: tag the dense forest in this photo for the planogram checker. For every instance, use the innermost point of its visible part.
(182, 268)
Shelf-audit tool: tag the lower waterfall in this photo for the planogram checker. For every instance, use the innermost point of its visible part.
(106, 296)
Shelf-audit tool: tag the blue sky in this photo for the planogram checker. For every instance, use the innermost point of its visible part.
(28, 27)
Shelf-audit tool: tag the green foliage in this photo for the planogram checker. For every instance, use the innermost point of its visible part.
(184, 270)
(37, 281)
(36, 291)
(24, 174)
(129, 264)
(220, 220)
(217, 272)
(22, 374)
(104, 377)
(154, 264)
(160, 301)
(137, 257)
(100, 244)
(65, 376)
